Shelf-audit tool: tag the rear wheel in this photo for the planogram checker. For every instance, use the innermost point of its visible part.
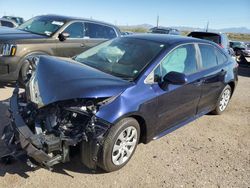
(120, 144)
(223, 100)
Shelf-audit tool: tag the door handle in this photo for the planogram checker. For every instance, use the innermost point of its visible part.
(198, 82)
(223, 71)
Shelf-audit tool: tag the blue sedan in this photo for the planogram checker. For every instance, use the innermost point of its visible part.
(125, 91)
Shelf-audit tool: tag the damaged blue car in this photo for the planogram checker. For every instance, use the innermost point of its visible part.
(111, 97)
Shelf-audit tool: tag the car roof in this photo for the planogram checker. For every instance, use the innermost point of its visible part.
(70, 18)
(204, 32)
(162, 28)
(12, 17)
(167, 39)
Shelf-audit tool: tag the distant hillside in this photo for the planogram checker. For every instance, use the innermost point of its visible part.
(145, 27)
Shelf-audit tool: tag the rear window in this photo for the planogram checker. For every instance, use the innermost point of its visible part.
(7, 24)
(93, 30)
(208, 56)
(206, 36)
(221, 58)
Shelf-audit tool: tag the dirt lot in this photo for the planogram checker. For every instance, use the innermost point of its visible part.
(213, 151)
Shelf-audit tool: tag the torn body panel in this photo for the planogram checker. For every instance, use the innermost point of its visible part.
(46, 134)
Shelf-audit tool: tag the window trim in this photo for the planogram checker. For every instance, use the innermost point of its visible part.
(150, 77)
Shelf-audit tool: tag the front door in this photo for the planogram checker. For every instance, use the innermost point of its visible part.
(178, 103)
(75, 43)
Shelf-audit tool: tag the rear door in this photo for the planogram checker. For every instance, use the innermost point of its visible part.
(213, 71)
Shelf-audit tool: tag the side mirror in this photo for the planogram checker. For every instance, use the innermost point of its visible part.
(63, 36)
(174, 78)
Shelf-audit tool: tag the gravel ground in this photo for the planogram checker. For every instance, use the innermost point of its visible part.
(213, 151)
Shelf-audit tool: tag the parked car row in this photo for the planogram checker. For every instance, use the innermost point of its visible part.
(165, 30)
(17, 20)
(105, 93)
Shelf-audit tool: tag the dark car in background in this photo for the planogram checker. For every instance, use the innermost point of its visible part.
(7, 23)
(164, 30)
(48, 35)
(17, 20)
(219, 38)
(111, 97)
(240, 48)
(124, 33)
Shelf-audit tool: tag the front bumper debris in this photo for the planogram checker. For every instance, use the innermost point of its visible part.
(24, 144)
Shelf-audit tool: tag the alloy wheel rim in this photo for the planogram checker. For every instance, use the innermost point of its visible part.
(124, 146)
(224, 99)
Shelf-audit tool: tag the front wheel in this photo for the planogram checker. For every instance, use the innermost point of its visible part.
(223, 100)
(26, 71)
(120, 144)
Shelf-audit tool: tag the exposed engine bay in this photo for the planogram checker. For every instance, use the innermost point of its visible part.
(47, 133)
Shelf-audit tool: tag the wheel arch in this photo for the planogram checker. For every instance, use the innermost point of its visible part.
(143, 128)
(142, 123)
(22, 60)
(232, 85)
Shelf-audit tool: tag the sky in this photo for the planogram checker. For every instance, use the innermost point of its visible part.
(192, 13)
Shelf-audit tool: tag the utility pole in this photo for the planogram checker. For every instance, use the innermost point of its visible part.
(207, 26)
(157, 21)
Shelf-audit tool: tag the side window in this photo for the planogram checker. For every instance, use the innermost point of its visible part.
(109, 32)
(7, 24)
(93, 30)
(182, 60)
(75, 30)
(221, 58)
(208, 56)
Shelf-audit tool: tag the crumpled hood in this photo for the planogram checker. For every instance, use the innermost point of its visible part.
(57, 80)
(12, 34)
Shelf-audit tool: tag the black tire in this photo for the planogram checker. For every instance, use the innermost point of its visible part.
(23, 76)
(105, 160)
(218, 110)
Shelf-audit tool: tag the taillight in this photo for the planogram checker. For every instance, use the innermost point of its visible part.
(221, 45)
(236, 65)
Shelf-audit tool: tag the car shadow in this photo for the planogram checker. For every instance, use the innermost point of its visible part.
(4, 85)
(244, 71)
(22, 169)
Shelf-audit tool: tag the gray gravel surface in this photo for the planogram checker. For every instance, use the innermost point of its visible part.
(213, 151)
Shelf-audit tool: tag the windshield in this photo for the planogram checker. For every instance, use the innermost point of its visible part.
(42, 25)
(121, 57)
